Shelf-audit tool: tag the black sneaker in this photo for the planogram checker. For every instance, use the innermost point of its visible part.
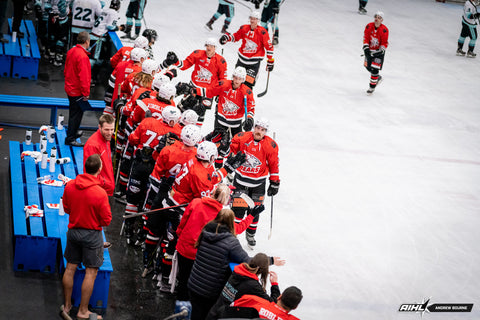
(74, 144)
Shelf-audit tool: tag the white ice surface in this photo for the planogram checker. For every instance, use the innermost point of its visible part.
(379, 199)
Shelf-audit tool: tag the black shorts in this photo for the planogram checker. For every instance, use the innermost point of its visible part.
(85, 246)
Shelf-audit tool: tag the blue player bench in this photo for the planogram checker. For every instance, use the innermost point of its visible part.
(44, 102)
(39, 242)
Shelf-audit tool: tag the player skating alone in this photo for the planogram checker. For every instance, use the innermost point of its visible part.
(361, 6)
(375, 42)
(469, 28)
(225, 7)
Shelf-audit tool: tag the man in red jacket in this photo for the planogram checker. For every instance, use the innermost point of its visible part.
(87, 204)
(286, 302)
(99, 143)
(77, 85)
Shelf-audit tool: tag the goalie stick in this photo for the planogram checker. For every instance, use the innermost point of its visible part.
(261, 94)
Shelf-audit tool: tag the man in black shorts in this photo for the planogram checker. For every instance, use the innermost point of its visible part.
(87, 204)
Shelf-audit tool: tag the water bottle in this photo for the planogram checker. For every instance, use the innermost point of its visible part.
(47, 177)
(43, 143)
(51, 134)
(61, 212)
(53, 151)
(28, 137)
(63, 160)
(44, 160)
(53, 156)
(60, 122)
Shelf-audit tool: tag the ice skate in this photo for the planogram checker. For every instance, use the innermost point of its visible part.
(460, 52)
(471, 54)
(251, 242)
(275, 40)
(362, 10)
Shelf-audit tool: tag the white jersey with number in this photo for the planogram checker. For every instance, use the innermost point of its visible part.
(84, 13)
(107, 21)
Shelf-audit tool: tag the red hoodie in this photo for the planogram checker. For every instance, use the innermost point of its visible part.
(198, 213)
(77, 72)
(87, 203)
(97, 144)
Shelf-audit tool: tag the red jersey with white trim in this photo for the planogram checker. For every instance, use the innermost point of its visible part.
(132, 103)
(130, 84)
(265, 308)
(262, 159)
(231, 103)
(376, 38)
(195, 181)
(149, 132)
(254, 44)
(123, 54)
(171, 159)
(153, 104)
(208, 71)
(121, 72)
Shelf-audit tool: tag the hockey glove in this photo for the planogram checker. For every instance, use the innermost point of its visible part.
(171, 59)
(366, 50)
(183, 88)
(234, 162)
(172, 73)
(119, 103)
(199, 109)
(248, 125)
(170, 138)
(144, 95)
(256, 211)
(166, 184)
(223, 39)
(216, 135)
(273, 188)
(224, 147)
(379, 53)
(270, 64)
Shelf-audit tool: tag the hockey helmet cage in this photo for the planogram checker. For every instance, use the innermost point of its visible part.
(150, 34)
(167, 91)
(149, 66)
(255, 15)
(263, 123)
(137, 54)
(189, 117)
(207, 151)
(141, 42)
(158, 80)
(211, 42)
(379, 14)
(115, 4)
(171, 113)
(240, 72)
(191, 135)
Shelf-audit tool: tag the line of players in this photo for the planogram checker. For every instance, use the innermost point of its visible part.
(162, 158)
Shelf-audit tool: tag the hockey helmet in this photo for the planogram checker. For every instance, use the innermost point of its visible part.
(263, 123)
(171, 113)
(150, 34)
(158, 80)
(379, 14)
(211, 42)
(138, 54)
(141, 42)
(189, 117)
(191, 135)
(255, 15)
(207, 151)
(149, 66)
(115, 4)
(240, 72)
(167, 91)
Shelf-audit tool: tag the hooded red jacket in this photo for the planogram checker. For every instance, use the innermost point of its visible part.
(87, 203)
(97, 144)
(198, 213)
(77, 72)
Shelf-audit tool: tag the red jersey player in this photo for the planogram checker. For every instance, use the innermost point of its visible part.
(123, 54)
(142, 78)
(250, 178)
(255, 42)
(375, 42)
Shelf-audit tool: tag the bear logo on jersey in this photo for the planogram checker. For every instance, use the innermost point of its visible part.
(250, 46)
(229, 108)
(203, 75)
(251, 164)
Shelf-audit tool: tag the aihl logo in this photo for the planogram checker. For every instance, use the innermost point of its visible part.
(414, 307)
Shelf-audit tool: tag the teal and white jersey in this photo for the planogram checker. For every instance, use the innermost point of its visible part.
(108, 20)
(469, 11)
(84, 14)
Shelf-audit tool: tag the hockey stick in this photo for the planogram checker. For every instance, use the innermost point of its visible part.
(271, 209)
(243, 4)
(245, 105)
(261, 94)
(154, 211)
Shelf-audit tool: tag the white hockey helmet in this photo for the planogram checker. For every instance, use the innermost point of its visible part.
(191, 135)
(255, 15)
(171, 113)
(211, 42)
(141, 42)
(379, 14)
(263, 123)
(149, 66)
(240, 72)
(167, 91)
(137, 54)
(158, 80)
(189, 117)
(207, 151)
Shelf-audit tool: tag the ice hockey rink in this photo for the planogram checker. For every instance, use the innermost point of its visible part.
(379, 203)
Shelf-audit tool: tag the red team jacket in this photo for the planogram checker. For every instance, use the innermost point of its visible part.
(265, 308)
(231, 103)
(77, 72)
(376, 38)
(170, 161)
(123, 54)
(87, 203)
(198, 213)
(208, 71)
(96, 144)
(262, 159)
(254, 44)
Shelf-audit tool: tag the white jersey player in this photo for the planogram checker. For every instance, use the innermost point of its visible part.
(84, 14)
